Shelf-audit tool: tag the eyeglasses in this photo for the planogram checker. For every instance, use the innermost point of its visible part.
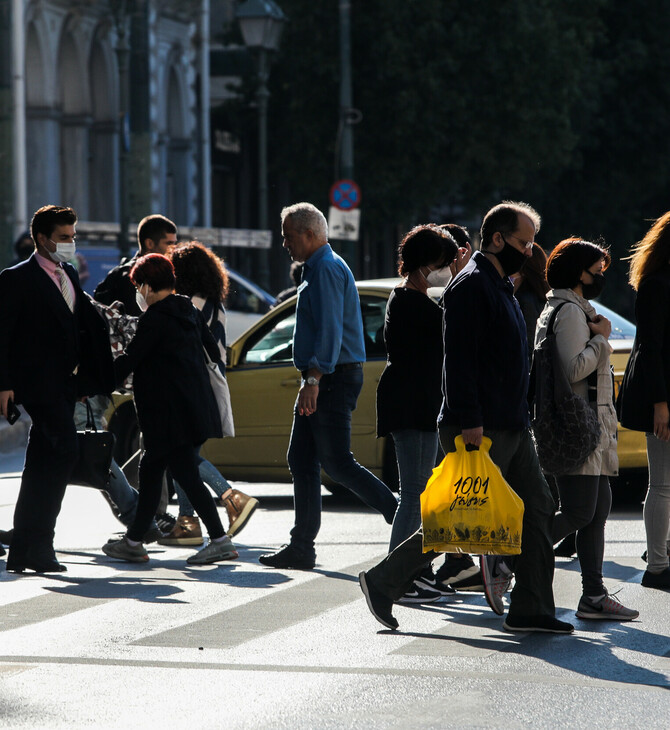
(526, 244)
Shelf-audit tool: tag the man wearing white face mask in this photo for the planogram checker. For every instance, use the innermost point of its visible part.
(53, 350)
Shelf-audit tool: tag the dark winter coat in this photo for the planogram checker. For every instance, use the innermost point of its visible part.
(647, 377)
(409, 393)
(174, 400)
(42, 342)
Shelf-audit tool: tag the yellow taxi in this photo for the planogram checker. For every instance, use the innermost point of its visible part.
(264, 384)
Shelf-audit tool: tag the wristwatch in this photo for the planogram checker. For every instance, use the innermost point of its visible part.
(311, 380)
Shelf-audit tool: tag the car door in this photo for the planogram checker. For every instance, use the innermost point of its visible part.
(263, 387)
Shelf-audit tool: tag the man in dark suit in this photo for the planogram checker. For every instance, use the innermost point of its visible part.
(53, 349)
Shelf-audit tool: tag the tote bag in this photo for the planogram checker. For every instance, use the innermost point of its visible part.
(566, 429)
(221, 395)
(96, 449)
(467, 506)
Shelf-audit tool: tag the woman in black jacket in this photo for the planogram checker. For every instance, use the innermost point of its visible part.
(409, 393)
(645, 393)
(175, 406)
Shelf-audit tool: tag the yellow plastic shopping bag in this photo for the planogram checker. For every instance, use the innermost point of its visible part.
(467, 506)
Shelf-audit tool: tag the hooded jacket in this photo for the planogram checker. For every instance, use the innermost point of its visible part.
(173, 398)
(581, 353)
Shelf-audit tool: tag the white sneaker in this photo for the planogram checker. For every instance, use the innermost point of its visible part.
(215, 551)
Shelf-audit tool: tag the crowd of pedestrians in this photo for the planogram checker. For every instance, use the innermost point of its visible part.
(460, 367)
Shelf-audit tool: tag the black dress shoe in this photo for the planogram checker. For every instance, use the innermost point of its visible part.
(40, 562)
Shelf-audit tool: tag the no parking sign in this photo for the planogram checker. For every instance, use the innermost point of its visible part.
(345, 195)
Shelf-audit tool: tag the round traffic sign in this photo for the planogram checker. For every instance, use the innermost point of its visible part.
(345, 195)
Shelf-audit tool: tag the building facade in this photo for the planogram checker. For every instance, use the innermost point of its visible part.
(67, 92)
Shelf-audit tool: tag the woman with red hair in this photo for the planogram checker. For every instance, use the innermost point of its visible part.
(175, 406)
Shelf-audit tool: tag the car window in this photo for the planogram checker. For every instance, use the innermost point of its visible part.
(241, 299)
(373, 310)
(274, 345)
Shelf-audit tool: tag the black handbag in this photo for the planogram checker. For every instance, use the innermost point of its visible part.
(96, 449)
(566, 429)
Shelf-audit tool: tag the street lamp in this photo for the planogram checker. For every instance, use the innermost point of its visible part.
(261, 25)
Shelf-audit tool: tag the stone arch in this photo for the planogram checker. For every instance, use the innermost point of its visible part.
(178, 148)
(75, 123)
(42, 127)
(104, 140)
(35, 69)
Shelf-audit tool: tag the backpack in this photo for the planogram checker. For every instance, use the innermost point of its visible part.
(565, 426)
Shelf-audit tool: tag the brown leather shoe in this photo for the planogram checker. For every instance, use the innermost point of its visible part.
(187, 531)
(239, 507)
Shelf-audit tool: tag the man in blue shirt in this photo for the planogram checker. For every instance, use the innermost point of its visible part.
(485, 382)
(329, 350)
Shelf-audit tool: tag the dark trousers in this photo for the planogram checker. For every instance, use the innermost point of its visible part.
(324, 440)
(514, 452)
(50, 458)
(585, 505)
(183, 465)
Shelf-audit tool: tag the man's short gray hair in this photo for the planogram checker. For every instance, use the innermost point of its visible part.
(306, 215)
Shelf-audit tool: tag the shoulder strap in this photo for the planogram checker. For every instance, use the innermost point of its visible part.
(550, 324)
(592, 379)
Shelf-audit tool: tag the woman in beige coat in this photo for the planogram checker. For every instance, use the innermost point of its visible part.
(575, 274)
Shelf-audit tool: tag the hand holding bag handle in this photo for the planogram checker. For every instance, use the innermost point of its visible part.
(467, 506)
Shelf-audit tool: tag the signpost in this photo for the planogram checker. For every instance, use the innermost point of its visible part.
(344, 216)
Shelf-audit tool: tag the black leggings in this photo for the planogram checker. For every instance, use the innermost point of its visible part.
(182, 464)
(585, 506)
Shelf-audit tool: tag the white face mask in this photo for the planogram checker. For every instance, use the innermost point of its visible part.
(141, 301)
(439, 277)
(64, 252)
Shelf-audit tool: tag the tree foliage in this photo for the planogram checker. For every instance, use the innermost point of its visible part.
(558, 102)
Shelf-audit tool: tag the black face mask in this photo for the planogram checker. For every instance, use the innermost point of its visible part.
(510, 258)
(594, 290)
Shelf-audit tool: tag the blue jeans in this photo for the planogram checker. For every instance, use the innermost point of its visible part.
(210, 475)
(324, 440)
(416, 452)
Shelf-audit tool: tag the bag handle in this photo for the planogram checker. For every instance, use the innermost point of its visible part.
(90, 421)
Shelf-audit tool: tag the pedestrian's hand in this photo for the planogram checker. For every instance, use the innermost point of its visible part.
(307, 398)
(600, 325)
(5, 397)
(473, 435)
(662, 421)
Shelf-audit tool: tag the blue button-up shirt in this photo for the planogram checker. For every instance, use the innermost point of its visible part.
(328, 325)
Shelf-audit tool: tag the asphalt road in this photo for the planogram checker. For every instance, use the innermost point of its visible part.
(237, 645)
